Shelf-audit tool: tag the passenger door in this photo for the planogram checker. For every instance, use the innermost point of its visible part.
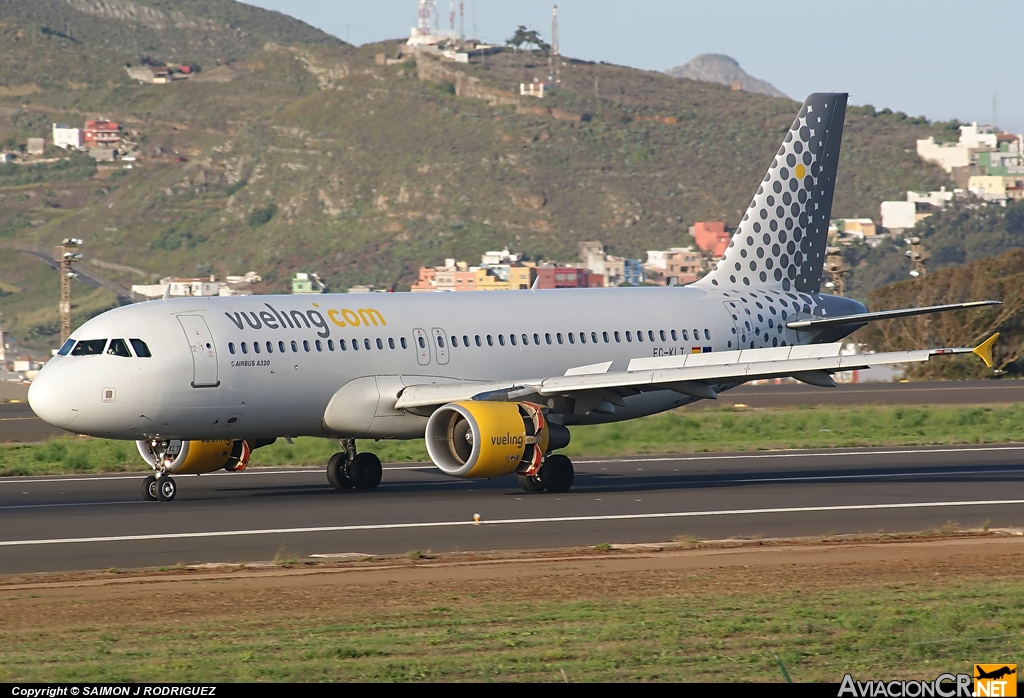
(440, 345)
(204, 352)
(420, 342)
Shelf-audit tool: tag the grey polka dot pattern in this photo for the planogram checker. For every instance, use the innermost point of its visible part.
(780, 242)
(759, 318)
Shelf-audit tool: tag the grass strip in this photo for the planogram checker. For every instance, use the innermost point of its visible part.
(647, 625)
(679, 431)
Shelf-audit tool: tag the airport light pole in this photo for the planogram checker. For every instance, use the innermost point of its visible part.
(66, 254)
(918, 256)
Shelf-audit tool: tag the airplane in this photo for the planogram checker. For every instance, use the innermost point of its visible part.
(492, 381)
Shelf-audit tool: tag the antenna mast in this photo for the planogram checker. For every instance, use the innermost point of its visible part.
(462, 22)
(423, 21)
(555, 60)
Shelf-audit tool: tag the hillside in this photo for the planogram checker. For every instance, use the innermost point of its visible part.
(312, 157)
(207, 31)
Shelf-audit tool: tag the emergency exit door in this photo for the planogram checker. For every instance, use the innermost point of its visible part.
(204, 353)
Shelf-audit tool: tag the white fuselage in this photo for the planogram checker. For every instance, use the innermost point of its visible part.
(217, 369)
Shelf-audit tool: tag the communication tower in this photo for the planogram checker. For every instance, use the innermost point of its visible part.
(423, 21)
(555, 59)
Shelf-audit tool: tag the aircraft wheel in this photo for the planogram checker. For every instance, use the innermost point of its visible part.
(337, 471)
(166, 488)
(530, 483)
(149, 492)
(365, 471)
(557, 473)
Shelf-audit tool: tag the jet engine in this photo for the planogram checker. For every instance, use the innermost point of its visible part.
(194, 457)
(488, 439)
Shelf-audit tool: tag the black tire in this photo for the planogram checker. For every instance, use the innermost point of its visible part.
(365, 471)
(166, 488)
(530, 483)
(557, 473)
(337, 471)
(149, 492)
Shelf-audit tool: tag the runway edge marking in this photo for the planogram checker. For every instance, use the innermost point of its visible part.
(502, 522)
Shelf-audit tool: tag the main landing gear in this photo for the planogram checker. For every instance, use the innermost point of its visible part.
(161, 488)
(555, 475)
(348, 469)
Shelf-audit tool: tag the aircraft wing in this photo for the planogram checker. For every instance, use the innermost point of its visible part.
(862, 318)
(689, 374)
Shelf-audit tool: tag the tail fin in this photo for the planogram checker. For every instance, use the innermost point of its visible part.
(780, 243)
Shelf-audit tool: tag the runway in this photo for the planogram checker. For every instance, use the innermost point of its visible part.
(63, 523)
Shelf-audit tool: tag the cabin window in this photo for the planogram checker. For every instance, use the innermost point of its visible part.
(490, 341)
(231, 347)
(526, 340)
(89, 347)
(118, 347)
(465, 340)
(405, 345)
(305, 344)
(536, 339)
(66, 347)
(674, 337)
(256, 347)
(558, 336)
(547, 338)
(604, 336)
(366, 344)
(330, 344)
(477, 340)
(440, 341)
(686, 337)
(343, 345)
(280, 347)
(270, 347)
(572, 338)
(512, 339)
(355, 345)
(696, 335)
(501, 339)
(245, 349)
(663, 336)
(639, 335)
(391, 343)
(295, 347)
(629, 336)
(380, 344)
(650, 335)
(707, 334)
(319, 346)
(593, 337)
(616, 335)
(422, 343)
(453, 341)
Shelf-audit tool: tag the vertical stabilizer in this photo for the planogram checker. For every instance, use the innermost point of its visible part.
(780, 243)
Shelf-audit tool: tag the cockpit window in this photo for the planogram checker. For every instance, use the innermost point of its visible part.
(118, 347)
(141, 350)
(66, 347)
(88, 347)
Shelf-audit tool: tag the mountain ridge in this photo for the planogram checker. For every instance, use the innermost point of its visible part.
(725, 70)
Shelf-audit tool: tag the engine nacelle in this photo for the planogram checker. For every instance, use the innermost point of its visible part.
(488, 439)
(194, 457)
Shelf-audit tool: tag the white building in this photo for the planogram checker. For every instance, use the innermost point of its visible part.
(66, 137)
(233, 286)
(899, 215)
(949, 155)
(493, 257)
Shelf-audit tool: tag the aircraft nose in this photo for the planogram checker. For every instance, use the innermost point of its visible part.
(53, 397)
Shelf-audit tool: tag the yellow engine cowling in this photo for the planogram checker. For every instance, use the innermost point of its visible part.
(194, 457)
(487, 439)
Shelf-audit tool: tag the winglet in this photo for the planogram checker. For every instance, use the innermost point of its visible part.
(536, 283)
(984, 350)
(167, 292)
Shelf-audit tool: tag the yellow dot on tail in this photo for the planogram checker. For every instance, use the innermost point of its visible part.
(800, 171)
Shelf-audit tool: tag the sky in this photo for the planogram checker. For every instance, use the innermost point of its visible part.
(942, 59)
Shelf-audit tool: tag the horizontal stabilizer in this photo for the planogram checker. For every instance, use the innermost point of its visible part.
(862, 318)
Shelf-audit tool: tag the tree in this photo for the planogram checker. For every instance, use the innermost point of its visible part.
(995, 278)
(529, 37)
